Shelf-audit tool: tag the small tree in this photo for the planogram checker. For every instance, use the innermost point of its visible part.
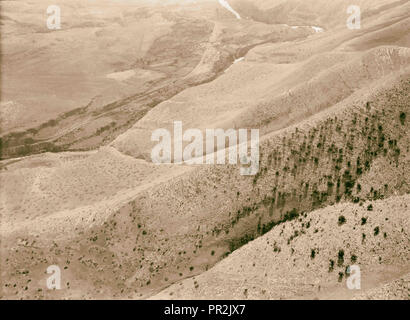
(340, 258)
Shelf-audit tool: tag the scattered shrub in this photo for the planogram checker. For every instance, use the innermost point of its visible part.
(342, 220)
(331, 265)
(340, 257)
(402, 117)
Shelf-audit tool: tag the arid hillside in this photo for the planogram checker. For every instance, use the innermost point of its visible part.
(308, 257)
(180, 228)
(333, 111)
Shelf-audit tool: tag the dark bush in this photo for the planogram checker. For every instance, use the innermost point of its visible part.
(402, 117)
(331, 265)
(340, 257)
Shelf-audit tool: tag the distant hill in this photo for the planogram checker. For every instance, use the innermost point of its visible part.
(326, 14)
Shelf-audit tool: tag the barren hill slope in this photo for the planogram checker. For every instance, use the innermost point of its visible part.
(250, 97)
